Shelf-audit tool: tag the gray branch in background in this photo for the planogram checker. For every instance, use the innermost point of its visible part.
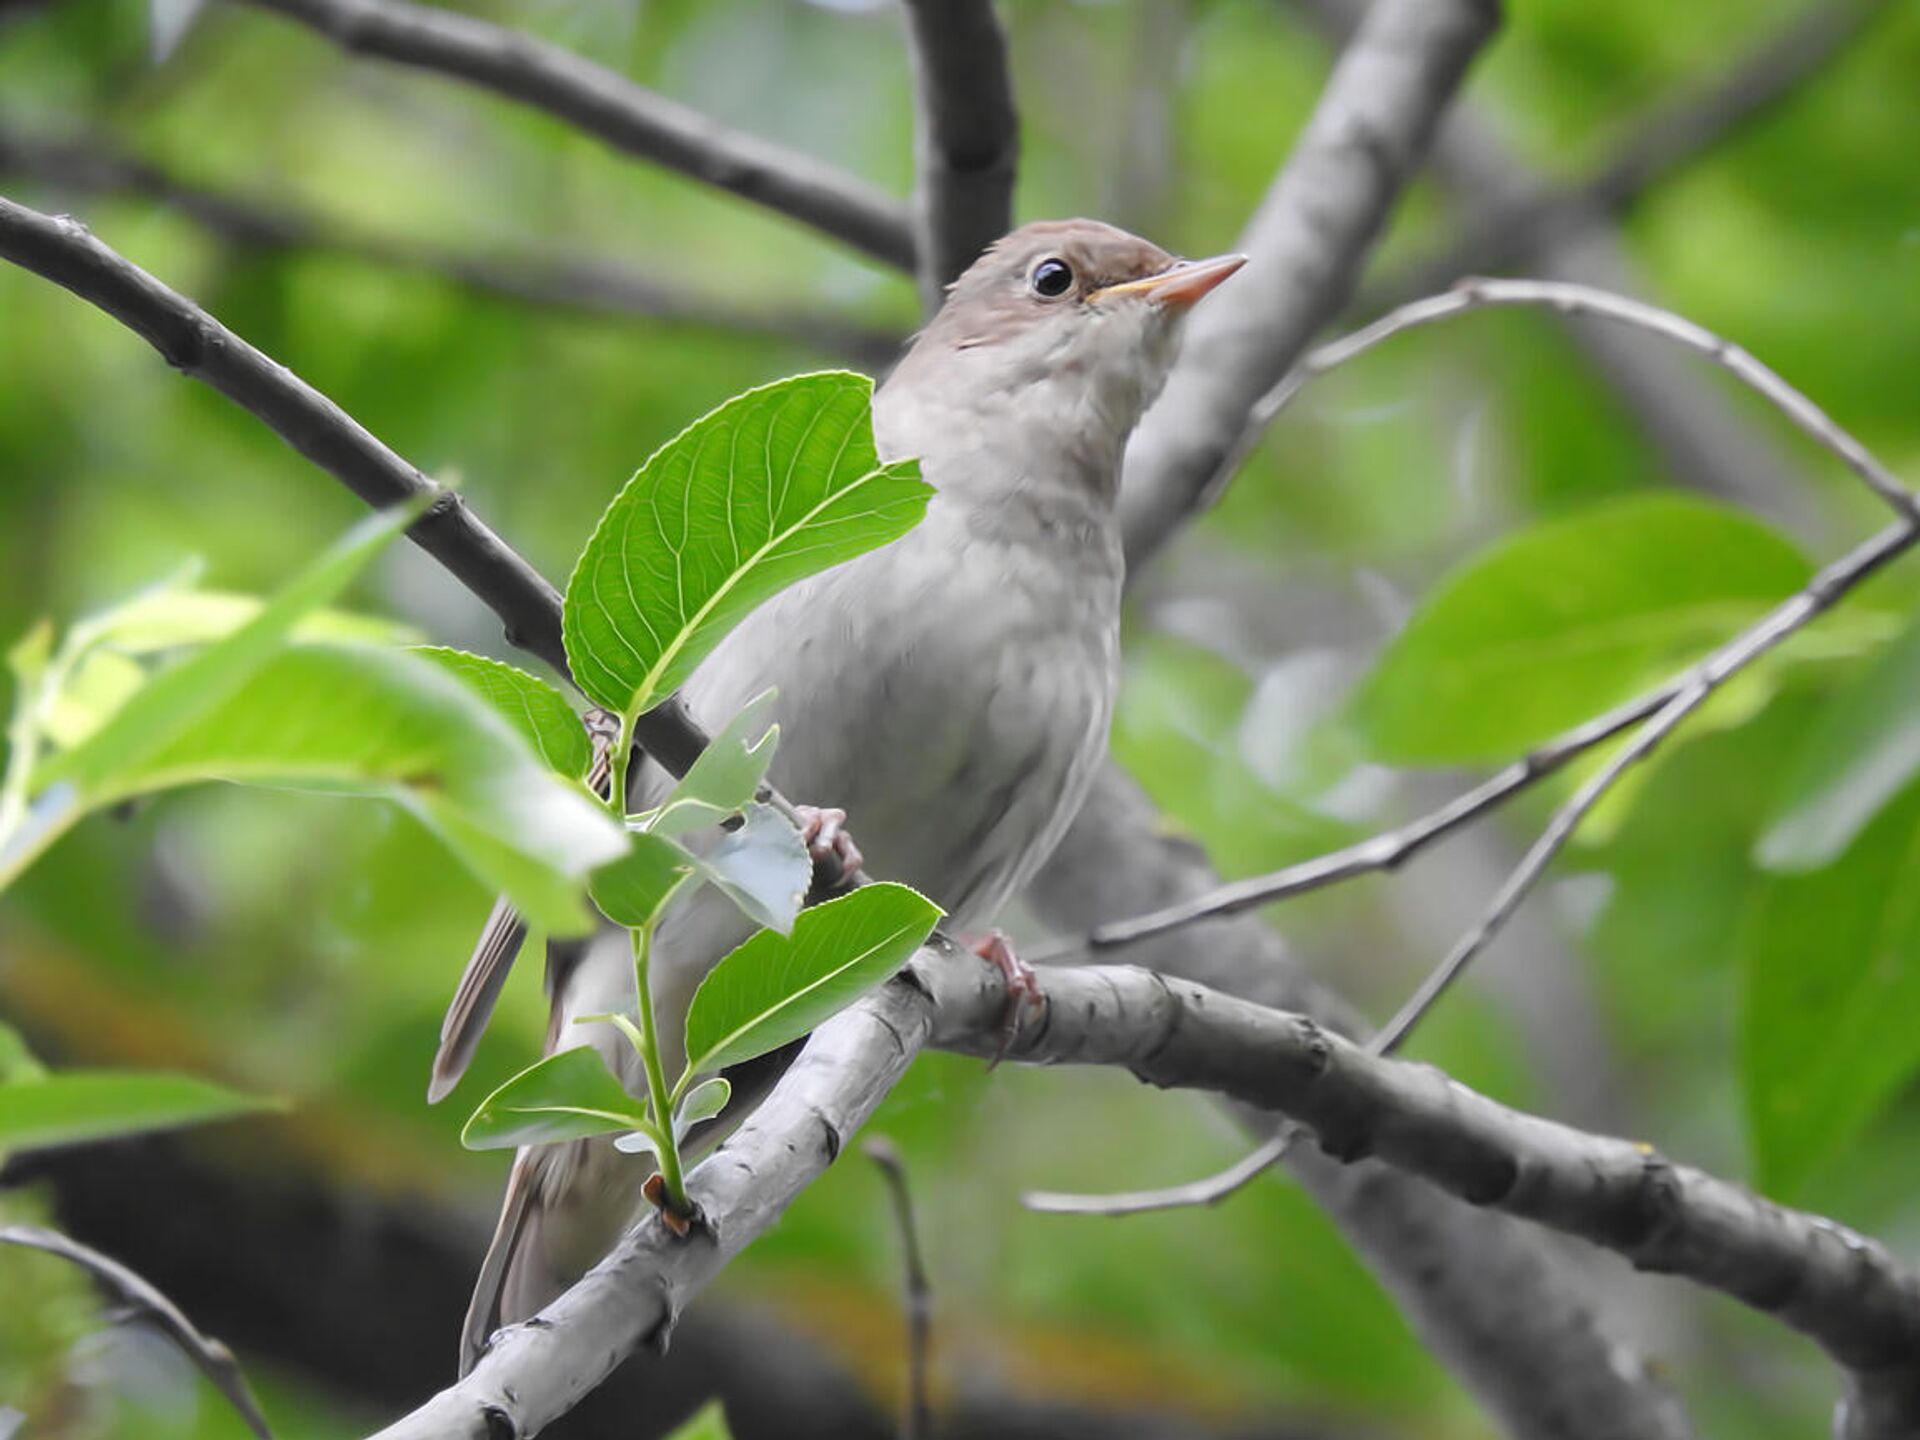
(1309, 240)
(1843, 1291)
(1530, 211)
(627, 116)
(1516, 219)
(967, 136)
(1487, 1297)
(588, 285)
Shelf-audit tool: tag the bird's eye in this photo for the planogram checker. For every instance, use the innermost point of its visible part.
(1051, 279)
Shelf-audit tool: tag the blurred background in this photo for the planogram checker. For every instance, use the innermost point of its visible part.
(521, 312)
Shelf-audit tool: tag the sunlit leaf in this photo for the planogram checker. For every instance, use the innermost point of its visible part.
(709, 1422)
(1830, 985)
(776, 988)
(568, 1096)
(1555, 624)
(390, 724)
(532, 706)
(1862, 752)
(179, 696)
(773, 486)
(67, 1106)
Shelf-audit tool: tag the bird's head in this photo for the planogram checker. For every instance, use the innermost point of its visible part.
(1064, 327)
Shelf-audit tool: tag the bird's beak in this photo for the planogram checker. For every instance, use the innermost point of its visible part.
(1182, 285)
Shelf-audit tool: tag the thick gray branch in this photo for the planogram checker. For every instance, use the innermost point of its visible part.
(627, 116)
(1485, 1295)
(968, 136)
(1840, 1289)
(535, 1372)
(1307, 244)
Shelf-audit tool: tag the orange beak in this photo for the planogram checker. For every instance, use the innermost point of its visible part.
(1182, 285)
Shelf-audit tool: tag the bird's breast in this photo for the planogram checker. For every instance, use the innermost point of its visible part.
(951, 692)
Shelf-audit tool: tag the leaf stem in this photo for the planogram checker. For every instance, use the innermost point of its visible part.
(659, 1107)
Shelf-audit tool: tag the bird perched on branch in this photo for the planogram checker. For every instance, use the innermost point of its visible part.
(948, 694)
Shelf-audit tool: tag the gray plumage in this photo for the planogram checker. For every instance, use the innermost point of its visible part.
(951, 692)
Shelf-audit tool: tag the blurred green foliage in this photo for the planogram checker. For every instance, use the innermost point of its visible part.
(299, 945)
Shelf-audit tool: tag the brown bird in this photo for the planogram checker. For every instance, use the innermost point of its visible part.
(950, 693)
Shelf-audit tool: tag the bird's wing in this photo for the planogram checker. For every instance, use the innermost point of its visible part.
(497, 948)
(473, 1000)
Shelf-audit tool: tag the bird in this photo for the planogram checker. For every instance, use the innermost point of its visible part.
(946, 697)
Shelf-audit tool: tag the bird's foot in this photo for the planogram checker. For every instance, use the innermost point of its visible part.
(1023, 984)
(836, 859)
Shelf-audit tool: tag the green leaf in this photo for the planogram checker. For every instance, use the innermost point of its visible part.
(763, 867)
(179, 696)
(634, 888)
(776, 988)
(389, 724)
(529, 704)
(1861, 753)
(1555, 624)
(727, 774)
(702, 1102)
(709, 1422)
(568, 1096)
(773, 486)
(1830, 985)
(17, 1062)
(73, 1105)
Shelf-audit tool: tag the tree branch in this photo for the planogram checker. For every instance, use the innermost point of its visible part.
(627, 116)
(1390, 849)
(1308, 242)
(1672, 134)
(1484, 1293)
(1481, 1292)
(143, 1298)
(533, 1372)
(1840, 1289)
(968, 136)
(588, 284)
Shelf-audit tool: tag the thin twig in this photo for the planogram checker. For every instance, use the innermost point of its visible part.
(968, 136)
(627, 116)
(1388, 850)
(589, 285)
(214, 1359)
(916, 1420)
(1845, 1292)
(1661, 710)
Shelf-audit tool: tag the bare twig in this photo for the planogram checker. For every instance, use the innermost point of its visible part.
(214, 1360)
(1572, 299)
(625, 115)
(1389, 850)
(1841, 1290)
(1433, 1256)
(968, 136)
(590, 285)
(916, 1421)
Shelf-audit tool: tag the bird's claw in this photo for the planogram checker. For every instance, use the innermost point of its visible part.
(836, 859)
(1023, 985)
